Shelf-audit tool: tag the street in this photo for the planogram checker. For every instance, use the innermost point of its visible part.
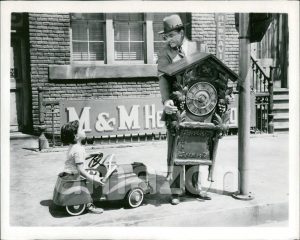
(33, 175)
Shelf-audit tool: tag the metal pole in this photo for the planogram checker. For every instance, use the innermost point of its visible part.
(270, 106)
(244, 109)
(52, 112)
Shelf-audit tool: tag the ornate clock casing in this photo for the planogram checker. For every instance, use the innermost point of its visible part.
(199, 91)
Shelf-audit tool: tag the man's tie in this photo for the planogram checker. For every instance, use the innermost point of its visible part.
(180, 52)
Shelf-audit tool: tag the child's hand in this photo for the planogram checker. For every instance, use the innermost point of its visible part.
(98, 180)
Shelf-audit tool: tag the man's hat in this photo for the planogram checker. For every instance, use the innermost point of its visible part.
(171, 23)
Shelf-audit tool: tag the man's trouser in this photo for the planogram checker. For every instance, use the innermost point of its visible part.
(184, 178)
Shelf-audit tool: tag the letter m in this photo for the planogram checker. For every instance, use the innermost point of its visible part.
(129, 121)
(84, 119)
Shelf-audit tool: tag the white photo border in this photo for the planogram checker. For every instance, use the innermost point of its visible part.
(292, 231)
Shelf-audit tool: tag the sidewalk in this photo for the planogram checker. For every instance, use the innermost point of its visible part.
(33, 176)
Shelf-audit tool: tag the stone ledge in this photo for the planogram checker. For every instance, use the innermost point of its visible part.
(63, 72)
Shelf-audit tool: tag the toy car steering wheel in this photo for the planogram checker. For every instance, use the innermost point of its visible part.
(95, 160)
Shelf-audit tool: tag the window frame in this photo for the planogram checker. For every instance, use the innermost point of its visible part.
(144, 45)
(94, 62)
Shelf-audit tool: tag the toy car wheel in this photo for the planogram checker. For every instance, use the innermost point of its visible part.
(135, 197)
(76, 210)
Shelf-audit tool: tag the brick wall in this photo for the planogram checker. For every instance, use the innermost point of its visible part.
(232, 44)
(50, 44)
(204, 29)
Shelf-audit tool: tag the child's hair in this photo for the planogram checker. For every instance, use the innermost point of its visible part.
(68, 132)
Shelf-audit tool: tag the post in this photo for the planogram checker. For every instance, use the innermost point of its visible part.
(244, 109)
(41, 105)
(270, 106)
(52, 118)
(43, 141)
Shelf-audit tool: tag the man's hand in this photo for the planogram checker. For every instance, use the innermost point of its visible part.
(169, 107)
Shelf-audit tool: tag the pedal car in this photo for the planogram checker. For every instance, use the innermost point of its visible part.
(128, 182)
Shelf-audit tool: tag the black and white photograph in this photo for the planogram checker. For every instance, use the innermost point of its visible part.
(150, 120)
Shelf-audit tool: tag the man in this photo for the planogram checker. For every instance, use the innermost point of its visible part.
(177, 47)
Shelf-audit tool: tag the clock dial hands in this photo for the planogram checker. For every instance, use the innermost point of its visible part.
(201, 98)
(195, 99)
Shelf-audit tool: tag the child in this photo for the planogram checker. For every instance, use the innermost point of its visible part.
(72, 135)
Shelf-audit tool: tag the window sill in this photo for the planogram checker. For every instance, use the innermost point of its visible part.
(61, 72)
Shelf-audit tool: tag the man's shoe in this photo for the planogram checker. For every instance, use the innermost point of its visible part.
(175, 200)
(204, 196)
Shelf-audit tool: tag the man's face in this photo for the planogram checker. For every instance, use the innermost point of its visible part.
(174, 38)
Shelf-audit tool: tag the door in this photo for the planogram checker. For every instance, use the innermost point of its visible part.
(15, 86)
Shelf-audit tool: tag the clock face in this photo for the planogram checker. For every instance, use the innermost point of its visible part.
(201, 98)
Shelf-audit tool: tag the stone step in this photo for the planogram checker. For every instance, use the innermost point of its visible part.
(19, 135)
(281, 108)
(281, 129)
(281, 117)
(280, 91)
(279, 124)
(284, 98)
(28, 141)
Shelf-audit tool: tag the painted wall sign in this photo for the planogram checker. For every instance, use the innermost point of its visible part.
(221, 34)
(115, 116)
(126, 115)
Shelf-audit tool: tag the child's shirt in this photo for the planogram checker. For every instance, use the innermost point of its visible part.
(75, 155)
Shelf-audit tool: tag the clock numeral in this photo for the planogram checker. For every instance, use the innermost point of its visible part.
(211, 106)
(203, 111)
(206, 88)
(199, 86)
(189, 95)
(211, 93)
(193, 90)
(192, 108)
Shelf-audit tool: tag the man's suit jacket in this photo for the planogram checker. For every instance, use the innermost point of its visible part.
(166, 56)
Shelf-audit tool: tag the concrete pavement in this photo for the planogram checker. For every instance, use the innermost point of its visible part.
(33, 175)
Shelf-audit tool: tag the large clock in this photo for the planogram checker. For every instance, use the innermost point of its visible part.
(201, 98)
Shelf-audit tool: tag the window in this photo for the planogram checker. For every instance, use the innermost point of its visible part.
(88, 37)
(129, 37)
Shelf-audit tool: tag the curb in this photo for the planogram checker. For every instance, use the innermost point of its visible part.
(233, 217)
(124, 145)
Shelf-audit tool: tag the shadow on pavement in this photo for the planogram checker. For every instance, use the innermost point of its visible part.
(54, 210)
(162, 193)
(60, 211)
(31, 149)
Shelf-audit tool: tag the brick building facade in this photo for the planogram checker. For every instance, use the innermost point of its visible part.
(50, 47)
